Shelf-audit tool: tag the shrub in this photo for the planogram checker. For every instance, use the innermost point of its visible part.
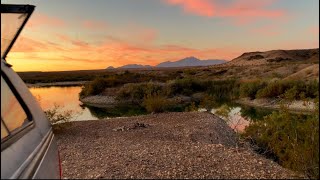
(187, 86)
(249, 89)
(59, 119)
(155, 103)
(136, 92)
(223, 90)
(284, 88)
(95, 87)
(191, 107)
(292, 140)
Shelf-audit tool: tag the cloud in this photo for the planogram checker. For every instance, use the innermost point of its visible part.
(75, 42)
(40, 19)
(95, 25)
(198, 7)
(239, 11)
(27, 44)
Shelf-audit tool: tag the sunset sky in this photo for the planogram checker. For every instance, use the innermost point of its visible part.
(94, 34)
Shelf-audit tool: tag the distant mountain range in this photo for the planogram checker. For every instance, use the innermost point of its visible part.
(186, 62)
(190, 61)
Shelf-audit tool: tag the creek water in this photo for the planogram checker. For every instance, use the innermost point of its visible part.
(67, 98)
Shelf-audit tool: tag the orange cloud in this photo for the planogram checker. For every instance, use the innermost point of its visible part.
(113, 51)
(96, 25)
(75, 42)
(240, 11)
(26, 44)
(40, 19)
(148, 35)
(198, 7)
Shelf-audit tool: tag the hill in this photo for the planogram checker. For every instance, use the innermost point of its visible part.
(276, 56)
(133, 66)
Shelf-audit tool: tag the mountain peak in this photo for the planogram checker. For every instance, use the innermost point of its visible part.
(190, 61)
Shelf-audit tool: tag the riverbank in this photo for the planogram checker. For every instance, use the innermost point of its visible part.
(294, 106)
(167, 145)
(65, 83)
(99, 101)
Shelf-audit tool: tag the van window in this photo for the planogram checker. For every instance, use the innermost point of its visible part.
(12, 113)
(4, 132)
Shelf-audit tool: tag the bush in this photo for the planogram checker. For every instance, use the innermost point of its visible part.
(187, 86)
(292, 88)
(95, 87)
(59, 119)
(223, 90)
(249, 89)
(136, 92)
(292, 140)
(155, 103)
(192, 107)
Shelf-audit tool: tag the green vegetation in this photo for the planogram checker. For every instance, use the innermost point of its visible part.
(291, 140)
(289, 89)
(250, 89)
(155, 102)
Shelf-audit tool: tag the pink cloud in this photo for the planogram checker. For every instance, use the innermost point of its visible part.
(27, 44)
(75, 42)
(240, 11)
(44, 20)
(198, 7)
(148, 34)
(90, 24)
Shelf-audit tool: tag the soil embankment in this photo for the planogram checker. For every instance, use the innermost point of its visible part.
(65, 83)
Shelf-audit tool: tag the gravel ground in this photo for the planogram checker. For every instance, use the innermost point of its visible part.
(99, 101)
(168, 145)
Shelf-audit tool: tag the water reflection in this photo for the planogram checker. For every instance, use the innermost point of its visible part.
(240, 116)
(65, 97)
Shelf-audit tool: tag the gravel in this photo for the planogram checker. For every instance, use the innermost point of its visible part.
(99, 101)
(167, 145)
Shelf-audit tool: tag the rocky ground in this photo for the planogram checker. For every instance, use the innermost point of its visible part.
(99, 101)
(168, 145)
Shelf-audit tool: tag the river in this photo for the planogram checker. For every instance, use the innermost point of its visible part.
(68, 99)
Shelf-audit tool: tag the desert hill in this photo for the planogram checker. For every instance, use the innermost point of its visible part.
(276, 56)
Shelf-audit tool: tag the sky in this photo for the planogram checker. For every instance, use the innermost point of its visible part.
(94, 34)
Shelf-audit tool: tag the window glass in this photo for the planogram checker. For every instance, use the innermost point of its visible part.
(12, 113)
(4, 132)
(10, 25)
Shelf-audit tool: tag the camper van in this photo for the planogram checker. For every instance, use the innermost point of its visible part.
(28, 146)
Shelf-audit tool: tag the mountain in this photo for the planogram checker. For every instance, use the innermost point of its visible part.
(276, 56)
(110, 67)
(190, 61)
(133, 66)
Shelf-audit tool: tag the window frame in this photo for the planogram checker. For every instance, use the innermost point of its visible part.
(17, 133)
